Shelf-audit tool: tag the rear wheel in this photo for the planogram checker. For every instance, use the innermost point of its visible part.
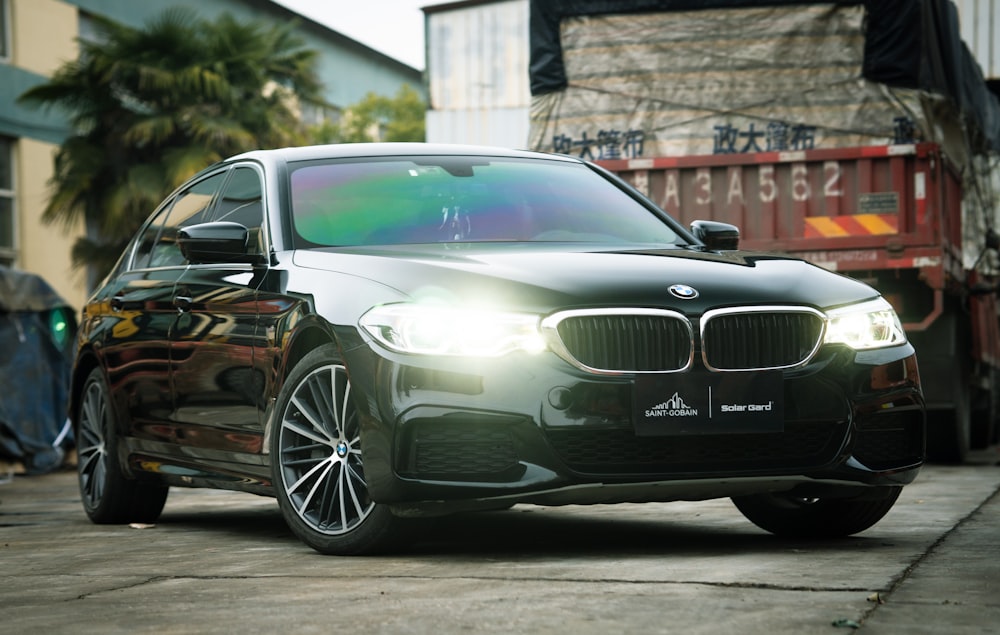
(108, 496)
(799, 517)
(319, 475)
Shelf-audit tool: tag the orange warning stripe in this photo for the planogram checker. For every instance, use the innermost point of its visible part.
(851, 225)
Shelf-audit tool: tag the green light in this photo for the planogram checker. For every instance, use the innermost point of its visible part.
(59, 327)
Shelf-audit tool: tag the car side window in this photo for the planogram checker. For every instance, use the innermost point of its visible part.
(190, 207)
(147, 239)
(241, 202)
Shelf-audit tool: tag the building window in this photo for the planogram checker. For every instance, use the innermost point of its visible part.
(4, 30)
(7, 251)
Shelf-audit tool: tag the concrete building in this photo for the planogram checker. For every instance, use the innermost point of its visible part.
(38, 36)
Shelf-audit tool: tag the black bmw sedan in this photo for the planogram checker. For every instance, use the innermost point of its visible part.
(378, 333)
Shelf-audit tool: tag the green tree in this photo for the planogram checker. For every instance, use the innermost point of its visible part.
(151, 106)
(380, 118)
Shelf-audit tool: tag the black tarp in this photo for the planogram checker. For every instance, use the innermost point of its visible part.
(908, 44)
(36, 340)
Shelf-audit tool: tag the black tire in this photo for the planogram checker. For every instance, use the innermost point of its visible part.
(109, 497)
(949, 432)
(316, 460)
(797, 517)
(985, 415)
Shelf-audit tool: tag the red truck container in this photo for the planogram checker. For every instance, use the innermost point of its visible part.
(888, 215)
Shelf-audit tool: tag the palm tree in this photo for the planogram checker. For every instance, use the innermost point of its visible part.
(151, 106)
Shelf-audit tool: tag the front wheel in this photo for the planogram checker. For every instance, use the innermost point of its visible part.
(319, 475)
(108, 496)
(799, 517)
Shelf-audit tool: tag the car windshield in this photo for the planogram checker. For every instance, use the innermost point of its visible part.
(392, 201)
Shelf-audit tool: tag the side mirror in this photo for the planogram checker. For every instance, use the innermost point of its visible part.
(221, 241)
(716, 236)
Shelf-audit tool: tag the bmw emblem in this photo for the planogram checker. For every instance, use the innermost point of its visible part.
(683, 291)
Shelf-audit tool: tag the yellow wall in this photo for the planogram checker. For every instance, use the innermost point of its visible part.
(43, 39)
(44, 249)
(44, 34)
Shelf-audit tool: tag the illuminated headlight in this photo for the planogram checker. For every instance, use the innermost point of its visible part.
(867, 325)
(442, 330)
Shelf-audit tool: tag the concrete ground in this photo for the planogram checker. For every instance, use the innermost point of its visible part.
(220, 562)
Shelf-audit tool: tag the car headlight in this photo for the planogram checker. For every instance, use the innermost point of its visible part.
(868, 325)
(444, 330)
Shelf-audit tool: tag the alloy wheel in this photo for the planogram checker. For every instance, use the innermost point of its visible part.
(321, 468)
(92, 454)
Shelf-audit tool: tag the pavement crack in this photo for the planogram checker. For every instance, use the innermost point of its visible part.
(524, 579)
(886, 595)
(125, 587)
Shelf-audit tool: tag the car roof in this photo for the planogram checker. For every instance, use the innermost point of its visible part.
(364, 150)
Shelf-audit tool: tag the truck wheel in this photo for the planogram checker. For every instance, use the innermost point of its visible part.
(984, 417)
(949, 431)
(799, 517)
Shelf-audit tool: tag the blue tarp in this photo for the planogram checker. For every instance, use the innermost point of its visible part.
(37, 330)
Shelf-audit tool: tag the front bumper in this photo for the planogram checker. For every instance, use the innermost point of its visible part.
(442, 435)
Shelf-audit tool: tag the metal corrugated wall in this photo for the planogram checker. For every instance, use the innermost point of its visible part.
(980, 25)
(477, 67)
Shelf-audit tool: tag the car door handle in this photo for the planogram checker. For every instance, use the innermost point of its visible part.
(182, 303)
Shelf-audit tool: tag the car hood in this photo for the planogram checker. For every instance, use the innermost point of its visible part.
(542, 278)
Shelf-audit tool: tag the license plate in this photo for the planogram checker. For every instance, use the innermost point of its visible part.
(709, 403)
